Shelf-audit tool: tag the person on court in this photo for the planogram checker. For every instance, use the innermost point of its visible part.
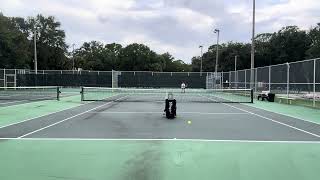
(183, 87)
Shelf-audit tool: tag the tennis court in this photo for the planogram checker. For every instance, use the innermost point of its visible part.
(112, 131)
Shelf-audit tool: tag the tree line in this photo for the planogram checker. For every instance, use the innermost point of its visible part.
(134, 57)
(289, 44)
(17, 50)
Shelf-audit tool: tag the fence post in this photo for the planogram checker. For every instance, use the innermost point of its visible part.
(15, 78)
(207, 81)
(236, 79)
(221, 86)
(230, 83)
(4, 78)
(245, 78)
(111, 79)
(288, 81)
(314, 83)
(269, 78)
(256, 80)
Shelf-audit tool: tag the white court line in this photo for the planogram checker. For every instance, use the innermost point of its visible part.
(284, 124)
(284, 115)
(22, 101)
(173, 139)
(201, 113)
(42, 115)
(66, 119)
(13, 102)
(28, 101)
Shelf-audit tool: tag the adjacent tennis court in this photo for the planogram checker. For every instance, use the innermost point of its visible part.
(117, 129)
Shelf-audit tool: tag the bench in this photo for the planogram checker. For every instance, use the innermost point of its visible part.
(289, 100)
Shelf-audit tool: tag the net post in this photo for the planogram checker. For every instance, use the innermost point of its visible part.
(58, 93)
(251, 95)
(82, 95)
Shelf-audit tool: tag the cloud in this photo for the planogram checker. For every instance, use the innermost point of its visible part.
(291, 12)
(176, 26)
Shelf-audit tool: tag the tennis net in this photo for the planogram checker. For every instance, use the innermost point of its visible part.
(30, 93)
(155, 95)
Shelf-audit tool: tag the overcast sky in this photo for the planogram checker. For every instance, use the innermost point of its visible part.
(174, 26)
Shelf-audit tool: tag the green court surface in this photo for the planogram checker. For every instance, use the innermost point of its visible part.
(301, 112)
(180, 159)
(24, 111)
(46, 157)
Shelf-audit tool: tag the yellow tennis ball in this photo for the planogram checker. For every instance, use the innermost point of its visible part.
(189, 122)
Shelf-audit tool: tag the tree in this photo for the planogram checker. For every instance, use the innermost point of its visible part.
(181, 66)
(289, 44)
(227, 53)
(113, 51)
(138, 57)
(314, 35)
(134, 57)
(51, 44)
(13, 45)
(264, 53)
(168, 65)
(89, 56)
(196, 64)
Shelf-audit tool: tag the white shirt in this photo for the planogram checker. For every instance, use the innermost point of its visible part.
(183, 85)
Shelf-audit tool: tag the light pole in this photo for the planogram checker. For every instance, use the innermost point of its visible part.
(217, 31)
(253, 45)
(35, 52)
(201, 47)
(73, 57)
(235, 62)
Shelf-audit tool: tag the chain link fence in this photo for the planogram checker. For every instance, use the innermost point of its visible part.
(125, 79)
(293, 83)
(133, 79)
(25, 77)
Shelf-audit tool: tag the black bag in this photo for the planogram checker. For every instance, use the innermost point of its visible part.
(171, 108)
